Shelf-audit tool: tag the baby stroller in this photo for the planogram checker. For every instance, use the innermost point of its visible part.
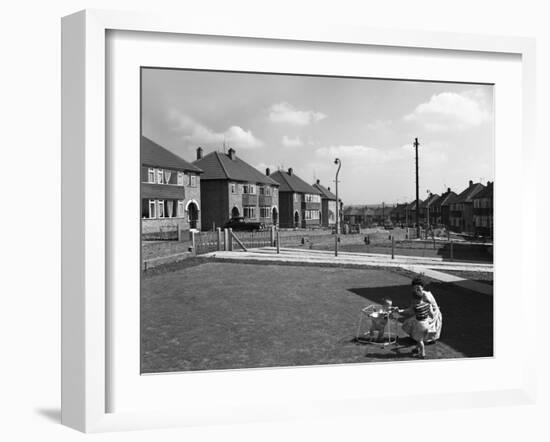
(378, 325)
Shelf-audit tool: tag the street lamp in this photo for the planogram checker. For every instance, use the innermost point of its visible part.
(337, 161)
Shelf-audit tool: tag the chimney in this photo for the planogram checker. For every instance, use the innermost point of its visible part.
(328, 188)
(471, 183)
(448, 190)
(290, 170)
(489, 183)
(267, 171)
(199, 153)
(318, 181)
(231, 153)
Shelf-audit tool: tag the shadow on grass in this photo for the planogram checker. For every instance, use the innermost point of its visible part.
(467, 315)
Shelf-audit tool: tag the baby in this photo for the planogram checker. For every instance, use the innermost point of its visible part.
(379, 319)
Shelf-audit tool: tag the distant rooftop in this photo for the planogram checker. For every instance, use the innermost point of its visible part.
(154, 155)
(289, 182)
(325, 193)
(228, 166)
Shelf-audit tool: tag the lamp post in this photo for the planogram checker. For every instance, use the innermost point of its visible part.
(339, 163)
(416, 144)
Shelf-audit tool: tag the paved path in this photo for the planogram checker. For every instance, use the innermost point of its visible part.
(432, 267)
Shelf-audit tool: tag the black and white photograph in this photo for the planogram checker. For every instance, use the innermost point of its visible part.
(305, 220)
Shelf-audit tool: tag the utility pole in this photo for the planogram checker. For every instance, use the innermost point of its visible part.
(417, 200)
(339, 163)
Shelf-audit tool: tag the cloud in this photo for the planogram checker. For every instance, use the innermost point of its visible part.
(360, 155)
(292, 142)
(286, 113)
(451, 111)
(196, 133)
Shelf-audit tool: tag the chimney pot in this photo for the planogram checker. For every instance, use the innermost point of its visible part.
(328, 188)
(318, 181)
(267, 171)
(471, 183)
(448, 190)
(290, 170)
(231, 153)
(199, 153)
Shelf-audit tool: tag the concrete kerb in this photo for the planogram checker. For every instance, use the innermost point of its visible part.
(427, 266)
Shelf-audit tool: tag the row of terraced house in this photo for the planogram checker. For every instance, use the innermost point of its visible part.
(470, 211)
(216, 186)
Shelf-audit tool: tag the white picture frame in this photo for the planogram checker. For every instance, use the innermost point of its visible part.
(85, 233)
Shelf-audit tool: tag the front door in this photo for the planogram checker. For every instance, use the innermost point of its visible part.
(193, 215)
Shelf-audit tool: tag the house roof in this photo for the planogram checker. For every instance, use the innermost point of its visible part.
(289, 182)
(444, 199)
(412, 204)
(466, 195)
(485, 193)
(325, 193)
(219, 166)
(449, 199)
(428, 202)
(152, 154)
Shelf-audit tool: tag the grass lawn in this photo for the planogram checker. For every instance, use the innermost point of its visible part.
(235, 315)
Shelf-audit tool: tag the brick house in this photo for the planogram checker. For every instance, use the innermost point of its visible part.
(399, 214)
(300, 203)
(483, 211)
(427, 210)
(439, 209)
(462, 209)
(170, 190)
(231, 188)
(328, 205)
(410, 210)
(359, 215)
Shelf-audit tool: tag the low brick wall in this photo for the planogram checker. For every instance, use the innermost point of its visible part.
(155, 225)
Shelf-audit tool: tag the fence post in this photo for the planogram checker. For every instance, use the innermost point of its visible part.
(392, 247)
(193, 245)
(179, 234)
(272, 236)
(219, 238)
(278, 242)
(226, 239)
(452, 257)
(230, 239)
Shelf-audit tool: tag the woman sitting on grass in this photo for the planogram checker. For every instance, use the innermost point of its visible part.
(424, 325)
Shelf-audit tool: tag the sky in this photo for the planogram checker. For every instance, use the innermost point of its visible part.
(305, 122)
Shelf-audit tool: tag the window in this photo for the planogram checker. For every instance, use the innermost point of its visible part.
(296, 197)
(265, 212)
(268, 190)
(193, 180)
(181, 208)
(180, 178)
(253, 189)
(160, 208)
(245, 188)
(152, 209)
(275, 191)
(233, 188)
(151, 177)
(261, 190)
(159, 176)
(249, 212)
